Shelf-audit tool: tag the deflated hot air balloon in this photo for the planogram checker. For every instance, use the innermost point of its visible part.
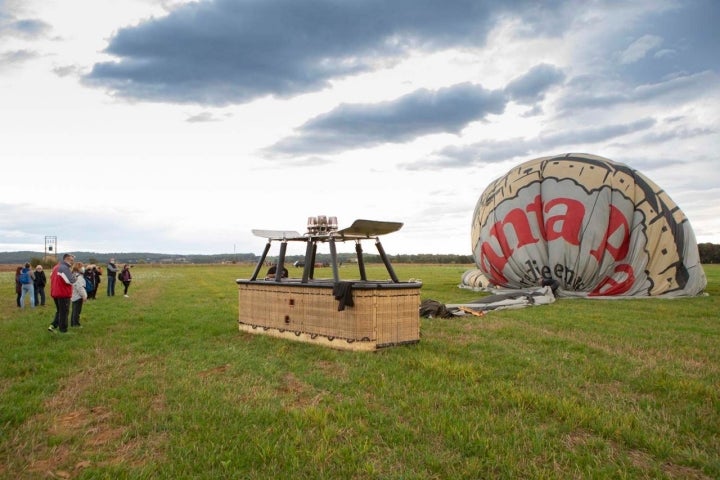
(597, 227)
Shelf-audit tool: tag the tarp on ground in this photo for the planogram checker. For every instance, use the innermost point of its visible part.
(502, 300)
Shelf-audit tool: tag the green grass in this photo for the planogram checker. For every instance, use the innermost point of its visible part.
(163, 385)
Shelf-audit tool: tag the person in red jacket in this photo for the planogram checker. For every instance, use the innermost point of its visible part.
(61, 288)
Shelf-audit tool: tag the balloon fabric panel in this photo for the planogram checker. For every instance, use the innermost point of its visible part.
(598, 227)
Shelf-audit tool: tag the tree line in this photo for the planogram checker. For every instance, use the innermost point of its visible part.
(709, 253)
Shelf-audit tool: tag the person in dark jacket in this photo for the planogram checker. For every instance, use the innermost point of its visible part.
(61, 289)
(40, 282)
(92, 282)
(18, 286)
(112, 271)
(125, 277)
(98, 279)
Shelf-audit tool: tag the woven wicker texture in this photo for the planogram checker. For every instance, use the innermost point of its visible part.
(380, 316)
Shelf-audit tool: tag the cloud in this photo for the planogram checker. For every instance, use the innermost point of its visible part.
(595, 134)
(475, 154)
(223, 51)
(66, 70)
(640, 48)
(16, 57)
(665, 53)
(531, 87)
(203, 117)
(680, 87)
(24, 227)
(26, 28)
(679, 132)
(446, 94)
(423, 112)
(593, 92)
(494, 151)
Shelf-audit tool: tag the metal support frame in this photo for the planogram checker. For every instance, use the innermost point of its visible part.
(281, 261)
(360, 260)
(307, 268)
(385, 260)
(333, 260)
(359, 230)
(260, 263)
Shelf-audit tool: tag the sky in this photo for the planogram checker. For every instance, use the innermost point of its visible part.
(173, 126)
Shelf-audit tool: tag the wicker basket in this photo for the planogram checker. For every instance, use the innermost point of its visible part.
(382, 314)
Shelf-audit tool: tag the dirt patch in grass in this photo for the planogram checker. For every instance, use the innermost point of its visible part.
(301, 394)
(580, 439)
(332, 369)
(678, 471)
(69, 437)
(215, 370)
(643, 461)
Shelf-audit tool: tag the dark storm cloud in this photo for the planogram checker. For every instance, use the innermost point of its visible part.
(223, 51)
(423, 112)
(220, 52)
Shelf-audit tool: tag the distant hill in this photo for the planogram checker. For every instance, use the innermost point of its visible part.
(135, 258)
(132, 258)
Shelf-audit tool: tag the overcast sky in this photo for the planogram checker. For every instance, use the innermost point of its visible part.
(171, 126)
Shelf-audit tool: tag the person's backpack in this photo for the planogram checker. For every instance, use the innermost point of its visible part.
(25, 277)
(89, 286)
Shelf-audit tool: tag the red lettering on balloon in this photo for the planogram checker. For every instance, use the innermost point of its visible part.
(536, 207)
(516, 222)
(567, 225)
(611, 286)
(563, 220)
(493, 264)
(617, 224)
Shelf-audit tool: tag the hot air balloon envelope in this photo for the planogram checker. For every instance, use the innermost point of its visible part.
(597, 227)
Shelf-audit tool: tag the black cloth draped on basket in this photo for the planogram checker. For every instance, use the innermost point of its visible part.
(342, 291)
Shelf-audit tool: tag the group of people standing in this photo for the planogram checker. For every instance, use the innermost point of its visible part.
(124, 276)
(71, 285)
(30, 286)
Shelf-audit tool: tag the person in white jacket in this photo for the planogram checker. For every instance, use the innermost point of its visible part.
(79, 294)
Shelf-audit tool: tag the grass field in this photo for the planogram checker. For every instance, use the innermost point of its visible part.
(162, 385)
